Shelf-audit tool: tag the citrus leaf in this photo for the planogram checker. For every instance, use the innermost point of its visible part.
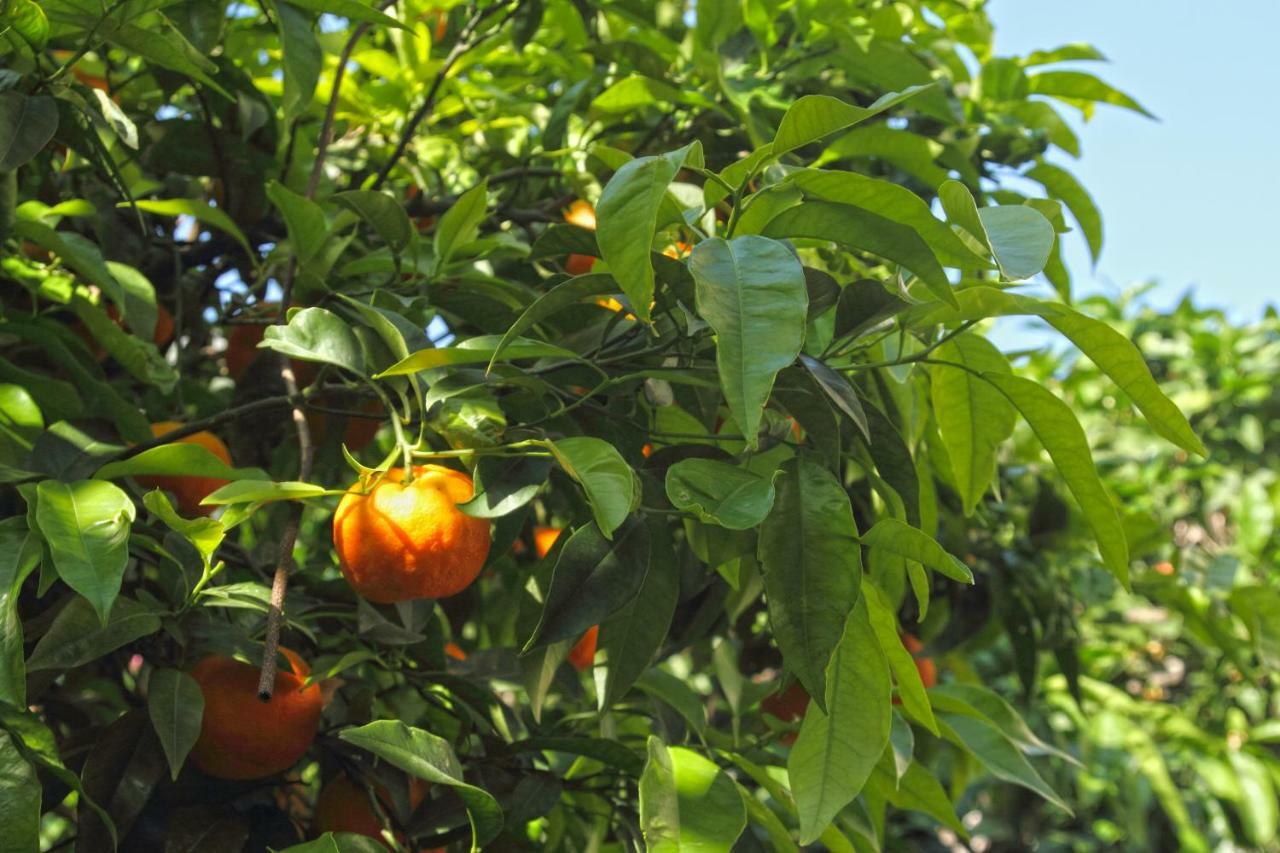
(176, 706)
(719, 493)
(86, 526)
(611, 486)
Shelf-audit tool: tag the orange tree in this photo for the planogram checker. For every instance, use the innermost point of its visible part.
(702, 288)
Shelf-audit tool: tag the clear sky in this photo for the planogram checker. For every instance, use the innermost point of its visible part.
(1188, 200)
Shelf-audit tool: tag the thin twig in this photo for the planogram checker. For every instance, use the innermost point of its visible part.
(193, 427)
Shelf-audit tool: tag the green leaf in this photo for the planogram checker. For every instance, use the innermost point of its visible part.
(305, 220)
(610, 752)
(677, 694)
(611, 486)
(688, 803)
(314, 334)
(176, 706)
(27, 123)
(180, 459)
(1080, 86)
(1113, 353)
(839, 390)
(719, 493)
(21, 422)
(382, 212)
(20, 550)
(1021, 239)
(812, 569)
(918, 790)
(28, 20)
(1064, 186)
(556, 299)
(77, 637)
(911, 690)
(504, 484)
(201, 211)
(459, 224)
(160, 43)
(86, 526)
(476, 350)
(973, 418)
(751, 291)
(302, 58)
(20, 795)
(266, 491)
(429, 757)
(812, 117)
(593, 579)
(205, 534)
(354, 10)
(893, 460)
(976, 701)
(631, 638)
(839, 747)
(139, 357)
(1056, 426)
(893, 202)
(997, 753)
(627, 219)
(339, 842)
(865, 231)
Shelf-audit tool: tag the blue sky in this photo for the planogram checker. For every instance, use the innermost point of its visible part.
(1186, 200)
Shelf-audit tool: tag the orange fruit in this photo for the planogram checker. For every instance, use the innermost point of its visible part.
(164, 323)
(787, 705)
(343, 806)
(647, 450)
(242, 346)
(583, 653)
(242, 737)
(409, 540)
(455, 651)
(925, 666)
(583, 215)
(1163, 568)
(544, 539)
(188, 490)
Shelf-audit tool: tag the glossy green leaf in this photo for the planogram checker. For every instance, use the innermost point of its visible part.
(1021, 239)
(317, 335)
(973, 418)
(1081, 86)
(751, 291)
(21, 422)
(1113, 353)
(176, 706)
(687, 803)
(1058, 430)
(179, 458)
(918, 790)
(863, 230)
(265, 491)
(627, 219)
(610, 485)
(304, 219)
(812, 569)
(478, 350)
(20, 551)
(86, 526)
(27, 123)
(998, 754)
(839, 747)
(719, 493)
(355, 10)
(503, 484)
(429, 757)
(884, 623)
(200, 211)
(1064, 186)
(812, 117)
(139, 357)
(678, 695)
(382, 212)
(77, 636)
(302, 58)
(593, 579)
(840, 391)
(459, 223)
(550, 303)
(205, 534)
(28, 20)
(20, 795)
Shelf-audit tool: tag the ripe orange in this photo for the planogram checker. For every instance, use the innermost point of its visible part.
(925, 666)
(1163, 568)
(544, 539)
(582, 214)
(403, 541)
(189, 491)
(358, 431)
(242, 346)
(242, 737)
(343, 806)
(583, 653)
(455, 651)
(787, 705)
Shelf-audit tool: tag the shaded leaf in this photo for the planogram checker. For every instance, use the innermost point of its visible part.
(176, 706)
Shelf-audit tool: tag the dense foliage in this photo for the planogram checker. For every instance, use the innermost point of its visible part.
(703, 288)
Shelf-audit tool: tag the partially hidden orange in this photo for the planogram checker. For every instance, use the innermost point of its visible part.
(343, 806)
(188, 490)
(582, 214)
(242, 737)
(583, 653)
(924, 665)
(544, 539)
(402, 541)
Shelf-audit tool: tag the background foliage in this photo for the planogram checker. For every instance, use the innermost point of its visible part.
(765, 416)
